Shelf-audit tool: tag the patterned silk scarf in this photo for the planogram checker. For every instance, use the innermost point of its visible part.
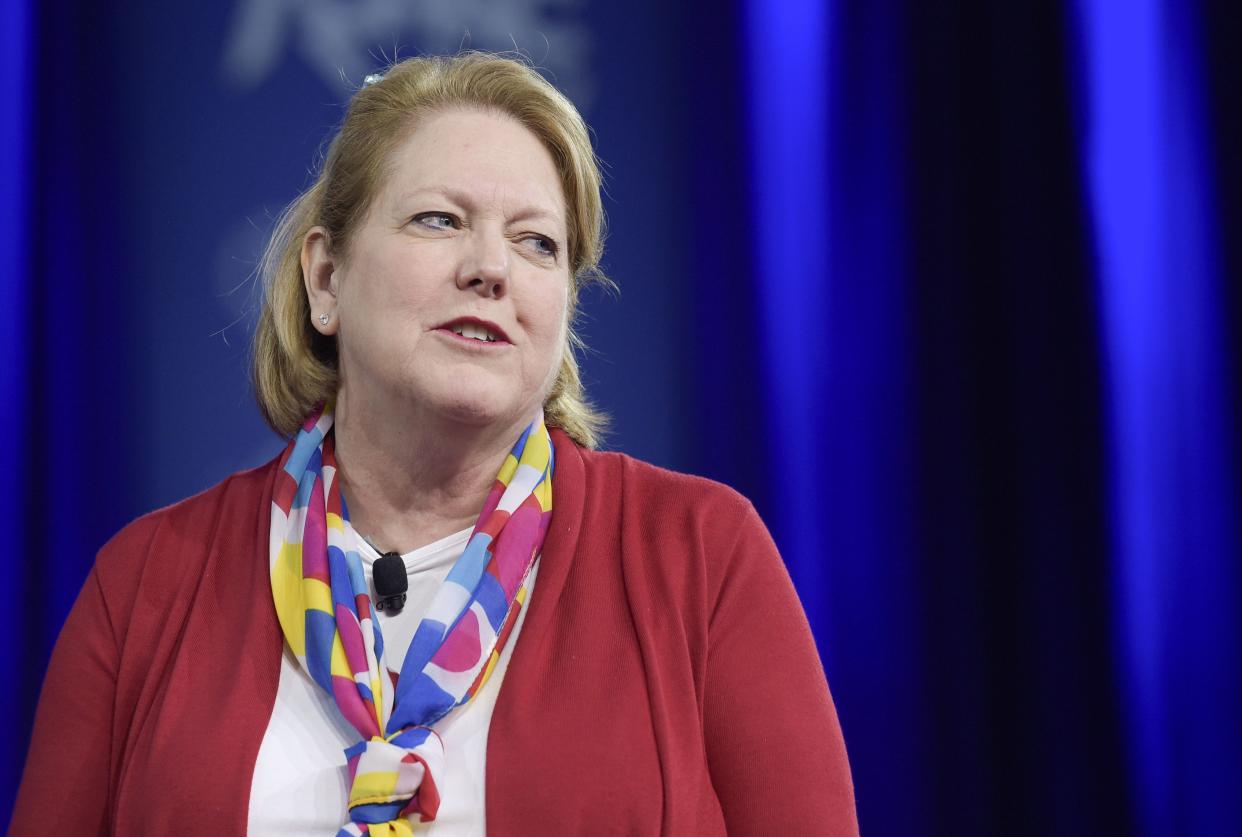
(326, 614)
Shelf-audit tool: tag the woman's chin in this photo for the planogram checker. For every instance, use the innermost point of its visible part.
(476, 409)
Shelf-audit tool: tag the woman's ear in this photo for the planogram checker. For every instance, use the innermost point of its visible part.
(319, 275)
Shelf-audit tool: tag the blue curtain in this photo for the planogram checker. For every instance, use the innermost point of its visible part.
(14, 273)
(1150, 162)
(999, 396)
(67, 310)
(948, 289)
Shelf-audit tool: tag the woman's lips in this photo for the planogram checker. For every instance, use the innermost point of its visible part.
(471, 342)
(474, 325)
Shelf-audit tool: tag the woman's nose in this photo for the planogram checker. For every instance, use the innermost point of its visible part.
(485, 264)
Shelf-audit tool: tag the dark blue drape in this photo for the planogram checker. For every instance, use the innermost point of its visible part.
(1002, 347)
(14, 279)
(68, 484)
(949, 290)
(1150, 160)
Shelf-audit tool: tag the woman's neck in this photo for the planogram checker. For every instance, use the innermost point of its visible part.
(410, 479)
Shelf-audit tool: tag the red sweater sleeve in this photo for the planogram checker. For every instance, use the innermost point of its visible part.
(67, 771)
(774, 745)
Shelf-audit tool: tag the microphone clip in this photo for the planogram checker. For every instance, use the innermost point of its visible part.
(391, 582)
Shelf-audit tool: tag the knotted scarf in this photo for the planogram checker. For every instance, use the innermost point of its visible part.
(325, 611)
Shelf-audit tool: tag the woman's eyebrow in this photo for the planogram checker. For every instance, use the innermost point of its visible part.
(535, 213)
(530, 212)
(455, 195)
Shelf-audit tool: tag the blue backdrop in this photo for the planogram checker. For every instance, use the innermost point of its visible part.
(948, 289)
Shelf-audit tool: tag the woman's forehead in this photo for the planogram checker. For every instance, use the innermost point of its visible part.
(476, 152)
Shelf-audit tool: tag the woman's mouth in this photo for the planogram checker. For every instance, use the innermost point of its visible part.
(474, 329)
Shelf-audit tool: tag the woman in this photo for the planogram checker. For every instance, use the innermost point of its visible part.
(226, 669)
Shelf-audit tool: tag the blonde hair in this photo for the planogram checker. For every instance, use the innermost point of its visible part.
(294, 367)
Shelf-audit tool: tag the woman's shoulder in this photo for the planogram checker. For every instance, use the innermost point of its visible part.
(645, 483)
(182, 533)
(651, 504)
(685, 540)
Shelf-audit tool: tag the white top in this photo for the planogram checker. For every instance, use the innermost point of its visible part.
(300, 779)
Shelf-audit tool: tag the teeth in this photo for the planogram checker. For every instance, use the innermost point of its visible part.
(474, 332)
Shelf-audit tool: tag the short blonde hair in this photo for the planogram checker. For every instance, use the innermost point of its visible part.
(294, 367)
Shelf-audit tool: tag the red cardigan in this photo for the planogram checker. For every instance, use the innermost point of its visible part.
(665, 681)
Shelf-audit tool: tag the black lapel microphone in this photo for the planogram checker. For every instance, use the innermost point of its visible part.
(388, 573)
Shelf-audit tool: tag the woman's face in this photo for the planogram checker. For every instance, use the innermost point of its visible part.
(453, 294)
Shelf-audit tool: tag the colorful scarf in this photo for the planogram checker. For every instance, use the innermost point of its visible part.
(325, 611)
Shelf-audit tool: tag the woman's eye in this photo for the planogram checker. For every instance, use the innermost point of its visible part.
(543, 245)
(437, 220)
